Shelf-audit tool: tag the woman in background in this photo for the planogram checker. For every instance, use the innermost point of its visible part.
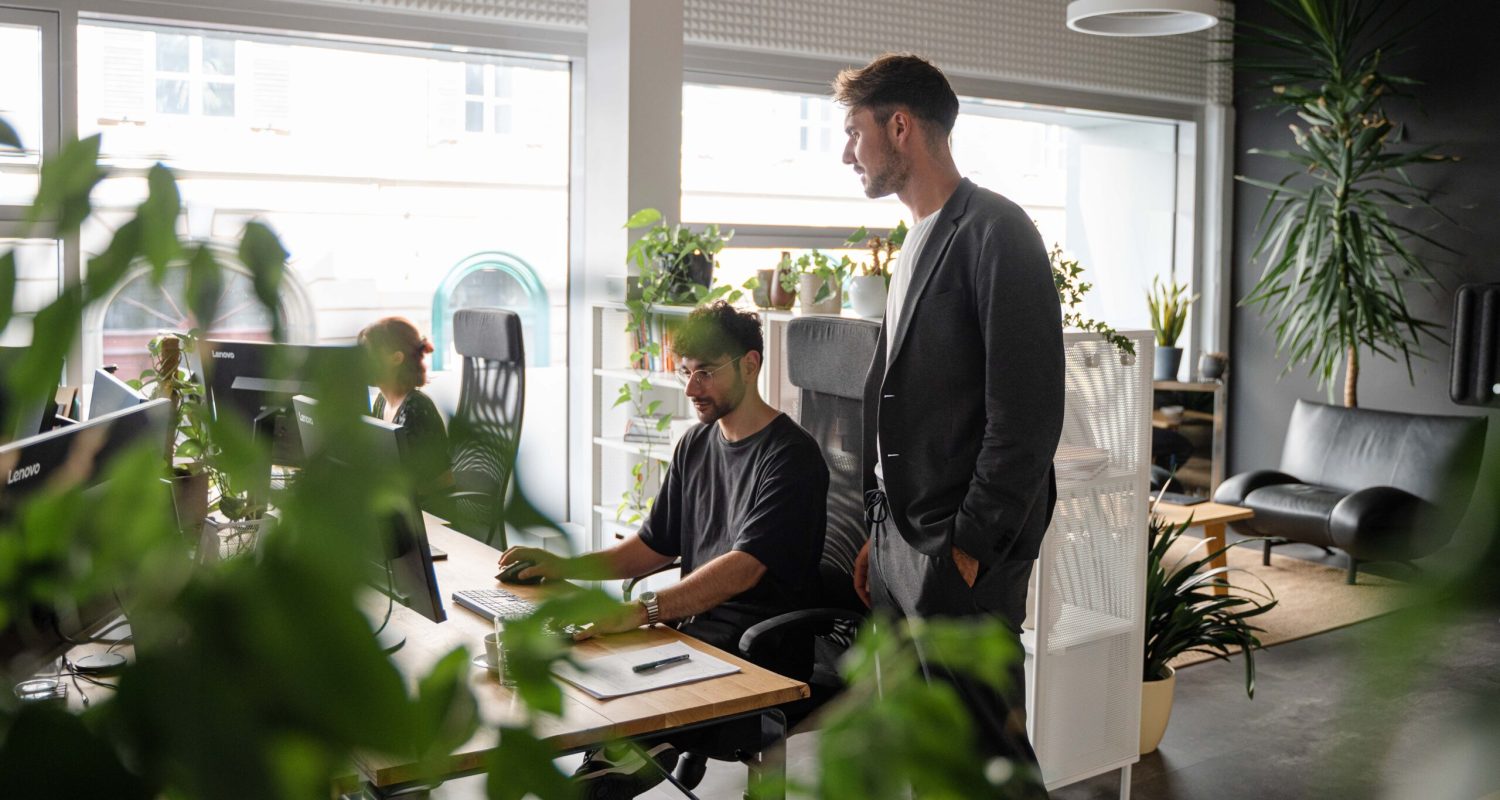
(399, 352)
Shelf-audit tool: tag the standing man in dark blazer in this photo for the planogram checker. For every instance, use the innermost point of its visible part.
(964, 398)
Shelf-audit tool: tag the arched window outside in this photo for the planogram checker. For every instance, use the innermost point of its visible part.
(492, 280)
(128, 319)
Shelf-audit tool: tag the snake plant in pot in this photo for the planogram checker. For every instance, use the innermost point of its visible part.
(1184, 615)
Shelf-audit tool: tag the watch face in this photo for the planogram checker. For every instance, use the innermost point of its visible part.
(648, 597)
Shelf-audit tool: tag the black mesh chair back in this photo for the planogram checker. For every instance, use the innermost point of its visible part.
(485, 431)
(827, 359)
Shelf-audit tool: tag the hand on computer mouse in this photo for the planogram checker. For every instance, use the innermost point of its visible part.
(511, 573)
(540, 563)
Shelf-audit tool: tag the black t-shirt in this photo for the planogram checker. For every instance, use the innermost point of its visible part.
(766, 495)
(426, 440)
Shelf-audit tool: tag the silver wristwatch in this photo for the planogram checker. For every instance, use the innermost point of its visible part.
(653, 608)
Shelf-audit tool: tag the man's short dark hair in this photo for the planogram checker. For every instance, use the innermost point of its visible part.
(718, 330)
(895, 80)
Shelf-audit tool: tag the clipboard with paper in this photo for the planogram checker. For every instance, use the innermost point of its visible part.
(610, 676)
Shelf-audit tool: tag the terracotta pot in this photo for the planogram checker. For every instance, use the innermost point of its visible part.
(809, 292)
(867, 294)
(1156, 709)
(781, 298)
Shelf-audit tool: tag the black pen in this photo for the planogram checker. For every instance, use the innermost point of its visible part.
(650, 665)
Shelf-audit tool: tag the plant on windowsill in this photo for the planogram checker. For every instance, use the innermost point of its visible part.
(1169, 308)
(868, 288)
(1183, 615)
(821, 281)
(1067, 276)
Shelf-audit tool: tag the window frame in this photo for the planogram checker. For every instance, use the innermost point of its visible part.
(196, 77)
(1204, 261)
(49, 23)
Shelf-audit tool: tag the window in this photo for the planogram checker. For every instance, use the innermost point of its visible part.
(38, 275)
(360, 159)
(139, 308)
(488, 104)
(1065, 167)
(194, 75)
(817, 132)
(21, 107)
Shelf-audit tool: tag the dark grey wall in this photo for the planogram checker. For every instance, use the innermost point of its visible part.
(1458, 107)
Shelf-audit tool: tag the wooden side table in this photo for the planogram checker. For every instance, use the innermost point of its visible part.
(1212, 517)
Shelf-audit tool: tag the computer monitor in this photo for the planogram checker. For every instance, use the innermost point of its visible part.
(81, 455)
(408, 575)
(32, 416)
(110, 394)
(254, 382)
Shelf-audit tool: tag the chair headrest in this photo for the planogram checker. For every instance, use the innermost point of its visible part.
(489, 333)
(831, 355)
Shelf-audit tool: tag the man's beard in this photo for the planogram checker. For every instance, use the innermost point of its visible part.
(717, 410)
(892, 176)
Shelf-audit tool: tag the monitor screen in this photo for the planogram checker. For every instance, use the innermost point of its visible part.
(110, 394)
(31, 416)
(408, 555)
(78, 455)
(254, 382)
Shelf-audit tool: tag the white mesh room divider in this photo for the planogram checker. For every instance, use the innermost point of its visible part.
(1085, 625)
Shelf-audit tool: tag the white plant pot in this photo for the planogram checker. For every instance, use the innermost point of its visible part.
(808, 291)
(867, 294)
(1156, 709)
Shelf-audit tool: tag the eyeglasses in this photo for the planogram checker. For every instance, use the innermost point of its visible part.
(702, 376)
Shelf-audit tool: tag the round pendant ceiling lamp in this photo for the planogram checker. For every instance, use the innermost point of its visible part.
(1142, 17)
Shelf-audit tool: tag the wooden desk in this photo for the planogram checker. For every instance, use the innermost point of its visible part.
(1213, 517)
(585, 721)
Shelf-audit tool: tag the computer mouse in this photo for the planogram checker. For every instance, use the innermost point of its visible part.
(510, 572)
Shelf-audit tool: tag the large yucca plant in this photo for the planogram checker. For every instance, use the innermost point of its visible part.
(1183, 615)
(1336, 263)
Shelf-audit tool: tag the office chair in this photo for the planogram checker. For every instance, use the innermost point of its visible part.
(484, 433)
(827, 359)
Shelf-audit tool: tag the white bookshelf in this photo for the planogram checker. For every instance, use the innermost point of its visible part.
(1085, 631)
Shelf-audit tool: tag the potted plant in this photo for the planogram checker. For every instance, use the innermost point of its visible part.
(1183, 615)
(783, 283)
(867, 290)
(170, 378)
(1169, 307)
(1067, 276)
(673, 262)
(1339, 247)
(821, 282)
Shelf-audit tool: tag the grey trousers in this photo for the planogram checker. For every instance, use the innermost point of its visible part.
(907, 583)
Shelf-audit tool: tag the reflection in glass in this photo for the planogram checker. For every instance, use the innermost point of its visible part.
(171, 96)
(171, 52)
(473, 79)
(474, 116)
(218, 99)
(218, 56)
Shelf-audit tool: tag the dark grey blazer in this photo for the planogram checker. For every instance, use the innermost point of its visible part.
(970, 408)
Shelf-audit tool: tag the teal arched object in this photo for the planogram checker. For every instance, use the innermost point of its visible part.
(535, 313)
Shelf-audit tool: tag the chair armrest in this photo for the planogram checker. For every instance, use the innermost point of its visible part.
(771, 631)
(628, 585)
(1234, 490)
(1381, 522)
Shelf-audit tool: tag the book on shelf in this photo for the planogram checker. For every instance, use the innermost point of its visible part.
(648, 430)
(660, 330)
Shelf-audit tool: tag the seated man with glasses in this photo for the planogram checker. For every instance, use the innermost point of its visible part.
(743, 504)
